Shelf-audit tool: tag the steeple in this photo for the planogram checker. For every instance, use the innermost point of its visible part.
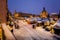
(44, 13)
(59, 11)
(43, 8)
(59, 14)
(16, 14)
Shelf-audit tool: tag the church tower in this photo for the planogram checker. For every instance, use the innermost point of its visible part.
(44, 13)
(3, 11)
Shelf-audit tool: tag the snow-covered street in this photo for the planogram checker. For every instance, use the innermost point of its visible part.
(26, 32)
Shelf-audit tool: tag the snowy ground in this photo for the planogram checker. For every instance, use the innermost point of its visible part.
(25, 32)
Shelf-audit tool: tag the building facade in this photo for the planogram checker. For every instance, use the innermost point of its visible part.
(3, 10)
(21, 14)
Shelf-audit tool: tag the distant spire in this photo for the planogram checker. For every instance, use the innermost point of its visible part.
(44, 9)
(15, 10)
(59, 11)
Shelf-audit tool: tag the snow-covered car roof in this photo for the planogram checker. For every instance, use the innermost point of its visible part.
(58, 23)
(39, 19)
(44, 20)
(32, 19)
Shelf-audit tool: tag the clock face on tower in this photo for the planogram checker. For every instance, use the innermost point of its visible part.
(3, 10)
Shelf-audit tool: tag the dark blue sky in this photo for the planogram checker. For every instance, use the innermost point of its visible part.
(34, 6)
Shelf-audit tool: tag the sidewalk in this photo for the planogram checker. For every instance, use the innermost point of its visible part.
(7, 33)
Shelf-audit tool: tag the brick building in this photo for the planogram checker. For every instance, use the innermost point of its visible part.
(3, 10)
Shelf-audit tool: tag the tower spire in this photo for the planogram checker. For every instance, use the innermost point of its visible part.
(44, 10)
(59, 14)
(44, 13)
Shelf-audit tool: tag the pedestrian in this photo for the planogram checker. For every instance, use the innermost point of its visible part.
(34, 26)
(11, 27)
(16, 26)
